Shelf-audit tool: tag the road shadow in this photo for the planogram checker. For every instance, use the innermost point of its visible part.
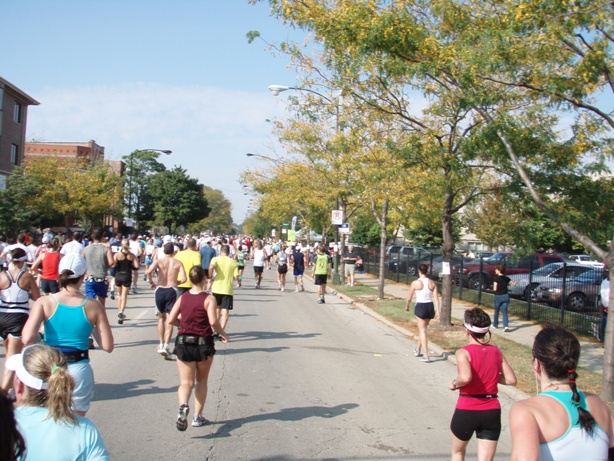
(108, 391)
(259, 335)
(152, 342)
(249, 350)
(285, 415)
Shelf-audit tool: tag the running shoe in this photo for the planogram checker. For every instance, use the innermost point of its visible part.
(320, 301)
(302, 287)
(120, 318)
(506, 329)
(133, 290)
(182, 417)
(425, 359)
(112, 295)
(417, 353)
(199, 421)
(296, 289)
(164, 352)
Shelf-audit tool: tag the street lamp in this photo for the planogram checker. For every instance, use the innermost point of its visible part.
(270, 159)
(275, 90)
(163, 151)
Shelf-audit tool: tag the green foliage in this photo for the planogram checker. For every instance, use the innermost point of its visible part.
(140, 165)
(429, 234)
(178, 199)
(219, 221)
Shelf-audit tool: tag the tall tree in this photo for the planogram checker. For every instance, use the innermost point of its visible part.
(178, 200)
(219, 220)
(140, 165)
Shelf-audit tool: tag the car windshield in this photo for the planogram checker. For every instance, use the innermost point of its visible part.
(494, 259)
(547, 269)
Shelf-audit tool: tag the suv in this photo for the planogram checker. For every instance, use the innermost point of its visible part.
(480, 276)
(403, 259)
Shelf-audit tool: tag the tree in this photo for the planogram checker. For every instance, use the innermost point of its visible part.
(140, 165)
(53, 188)
(178, 200)
(219, 220)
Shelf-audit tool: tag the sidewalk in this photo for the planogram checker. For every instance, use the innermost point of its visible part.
(521, 331)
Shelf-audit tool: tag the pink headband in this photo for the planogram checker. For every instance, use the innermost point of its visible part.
(476, 329)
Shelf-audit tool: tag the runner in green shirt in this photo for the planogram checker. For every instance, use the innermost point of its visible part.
(321, 269)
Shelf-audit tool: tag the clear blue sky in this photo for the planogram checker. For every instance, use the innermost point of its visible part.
(135, 74)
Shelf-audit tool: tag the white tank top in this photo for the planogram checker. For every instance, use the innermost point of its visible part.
(425, 295)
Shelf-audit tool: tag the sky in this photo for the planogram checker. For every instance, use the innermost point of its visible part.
(152, 74)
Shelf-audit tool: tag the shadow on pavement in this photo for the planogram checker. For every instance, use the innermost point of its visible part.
(107, 391)
(286, 414)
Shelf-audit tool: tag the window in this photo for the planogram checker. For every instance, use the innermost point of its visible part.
(14, 154)
(17, 112)
(2, 182)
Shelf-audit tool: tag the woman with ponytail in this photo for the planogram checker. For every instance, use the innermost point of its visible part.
(43, 388)
(560, 423)
(481, 368)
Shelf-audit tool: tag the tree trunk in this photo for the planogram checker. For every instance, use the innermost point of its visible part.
(607, 386)
(447, 250)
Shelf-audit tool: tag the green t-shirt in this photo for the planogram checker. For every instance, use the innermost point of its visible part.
(321, 265)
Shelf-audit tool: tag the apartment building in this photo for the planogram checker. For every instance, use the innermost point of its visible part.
(13, 117)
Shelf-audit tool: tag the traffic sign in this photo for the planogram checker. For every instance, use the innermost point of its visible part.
(344, 228)
(337, 217)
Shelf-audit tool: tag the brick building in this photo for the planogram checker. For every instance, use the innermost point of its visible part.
(89, 151)
(13, 117)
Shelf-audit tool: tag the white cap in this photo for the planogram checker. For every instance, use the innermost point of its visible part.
(208, 240)
(166, 239)
(46, 239)
(75, 263)
(15, 363)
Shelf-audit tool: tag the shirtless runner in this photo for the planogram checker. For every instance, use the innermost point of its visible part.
(170, 275)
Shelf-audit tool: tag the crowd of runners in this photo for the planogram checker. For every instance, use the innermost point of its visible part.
(48, 373)
(69, 278)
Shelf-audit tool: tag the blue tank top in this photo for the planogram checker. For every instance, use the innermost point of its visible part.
(68, 327)
(575, 443)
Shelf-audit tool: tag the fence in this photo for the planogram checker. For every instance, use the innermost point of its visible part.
(565, 293)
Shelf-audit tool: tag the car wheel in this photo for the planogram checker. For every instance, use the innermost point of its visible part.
(476, 282)
(411, 270)
(576, 302)
(530, 293)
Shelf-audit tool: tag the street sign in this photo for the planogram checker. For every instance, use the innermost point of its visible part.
(294, 223)
(337, 217)
(344, 228)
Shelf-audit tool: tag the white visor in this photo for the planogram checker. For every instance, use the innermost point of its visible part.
(15, 363)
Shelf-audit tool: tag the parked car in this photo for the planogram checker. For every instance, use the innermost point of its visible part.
(586, 259)
(480, 273)
(579, 294)
(526, 285)
(402, 259)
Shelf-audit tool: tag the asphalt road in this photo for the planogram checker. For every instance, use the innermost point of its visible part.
(297, 381)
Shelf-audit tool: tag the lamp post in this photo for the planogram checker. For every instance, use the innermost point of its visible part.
(275, 90)
(163, 151)
(277, 162)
